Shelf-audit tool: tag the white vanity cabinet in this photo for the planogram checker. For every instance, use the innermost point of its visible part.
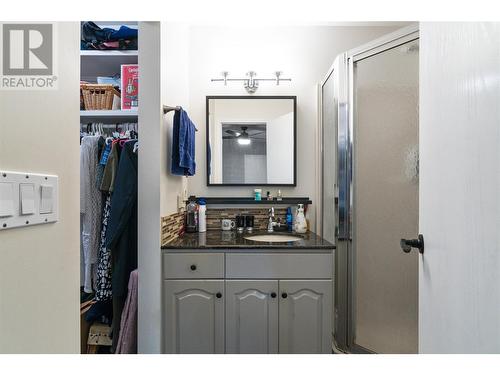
(252, 316)
(194, 316)
(305, 316)
(247, 302)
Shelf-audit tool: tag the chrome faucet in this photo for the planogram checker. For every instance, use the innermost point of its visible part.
(271, 224)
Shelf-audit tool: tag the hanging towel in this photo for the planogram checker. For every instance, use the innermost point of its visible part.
(127, 341)
(183, 145)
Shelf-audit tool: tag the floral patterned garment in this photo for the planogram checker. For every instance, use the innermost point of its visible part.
(103, 284)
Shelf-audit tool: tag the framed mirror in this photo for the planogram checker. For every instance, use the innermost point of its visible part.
(251, 140)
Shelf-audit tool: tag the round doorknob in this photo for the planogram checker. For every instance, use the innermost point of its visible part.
(273, 295)
(284, 295)
(193, 267)
(219, 295)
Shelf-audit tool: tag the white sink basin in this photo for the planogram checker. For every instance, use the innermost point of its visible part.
(273, 238)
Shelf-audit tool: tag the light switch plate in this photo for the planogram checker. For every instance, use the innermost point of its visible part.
(27, 198)
(26, 206)
(46, 199)
(6, 199)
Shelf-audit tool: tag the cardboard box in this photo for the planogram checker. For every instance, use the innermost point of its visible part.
(130, 87)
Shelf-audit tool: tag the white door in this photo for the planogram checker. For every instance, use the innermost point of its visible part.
(304, 316)
(194, 322)
(459, 275)
(252, 316)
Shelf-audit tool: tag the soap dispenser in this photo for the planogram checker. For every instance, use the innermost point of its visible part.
(300, 221)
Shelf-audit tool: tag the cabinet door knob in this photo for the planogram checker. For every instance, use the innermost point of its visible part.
(284, 295)
(219, 295)
(273, 295)
(193, 267)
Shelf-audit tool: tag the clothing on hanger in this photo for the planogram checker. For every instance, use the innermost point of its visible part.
(109, 174)
(90, 207)
(121, 236)
(127, 340)
(108, 169)
(103, 275)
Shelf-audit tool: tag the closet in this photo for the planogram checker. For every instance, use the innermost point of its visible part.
(109, 148)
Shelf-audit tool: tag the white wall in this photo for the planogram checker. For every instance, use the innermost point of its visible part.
(163, 76)
(459, 188)
(175, 92)
(149, 172)
(39, 265)
(303, 53)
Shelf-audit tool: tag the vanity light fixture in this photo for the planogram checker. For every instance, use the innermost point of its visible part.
(251, 84)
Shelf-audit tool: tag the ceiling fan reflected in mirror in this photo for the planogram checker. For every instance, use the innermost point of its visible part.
(244, 137)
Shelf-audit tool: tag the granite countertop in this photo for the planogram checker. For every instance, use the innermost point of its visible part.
(231, 240)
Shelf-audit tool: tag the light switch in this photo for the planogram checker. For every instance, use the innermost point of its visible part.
(27, 198)
(46, 199)
(6, 199)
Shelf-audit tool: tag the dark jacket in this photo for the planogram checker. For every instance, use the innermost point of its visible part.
(121, 235)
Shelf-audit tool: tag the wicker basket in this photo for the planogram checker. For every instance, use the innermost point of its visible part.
(98, 97)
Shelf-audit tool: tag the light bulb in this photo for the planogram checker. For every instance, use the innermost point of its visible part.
(244, 141)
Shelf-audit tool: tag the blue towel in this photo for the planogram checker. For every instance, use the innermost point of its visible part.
(183, 145)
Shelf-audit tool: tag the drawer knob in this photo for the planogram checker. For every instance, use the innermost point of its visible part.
(193, 267)
(284, 295)
(219, 295)
(273, 295)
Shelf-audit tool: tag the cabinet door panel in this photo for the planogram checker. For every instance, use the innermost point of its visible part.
(305, 316)
(251, 316)
(194, 321)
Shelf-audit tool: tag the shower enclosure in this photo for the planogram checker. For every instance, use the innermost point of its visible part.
(370, 192)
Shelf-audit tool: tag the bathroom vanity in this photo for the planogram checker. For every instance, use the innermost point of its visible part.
(223, 293)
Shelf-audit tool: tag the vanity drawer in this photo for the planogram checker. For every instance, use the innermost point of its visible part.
(279, 266)
(193, 266)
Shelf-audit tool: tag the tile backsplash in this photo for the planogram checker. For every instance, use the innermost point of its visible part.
(215, 215)
(171, 227)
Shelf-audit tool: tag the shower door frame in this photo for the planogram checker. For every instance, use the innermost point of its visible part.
(345, 311)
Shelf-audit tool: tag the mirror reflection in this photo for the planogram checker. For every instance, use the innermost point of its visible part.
(251, 140)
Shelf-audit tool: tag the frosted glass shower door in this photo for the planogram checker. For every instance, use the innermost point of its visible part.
(385, 201)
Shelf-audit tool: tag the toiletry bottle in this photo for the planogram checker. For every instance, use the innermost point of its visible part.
(202, 219)
(258, 194)
(279, 197)
(300, 221)
(192, 216)
(289, 219)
